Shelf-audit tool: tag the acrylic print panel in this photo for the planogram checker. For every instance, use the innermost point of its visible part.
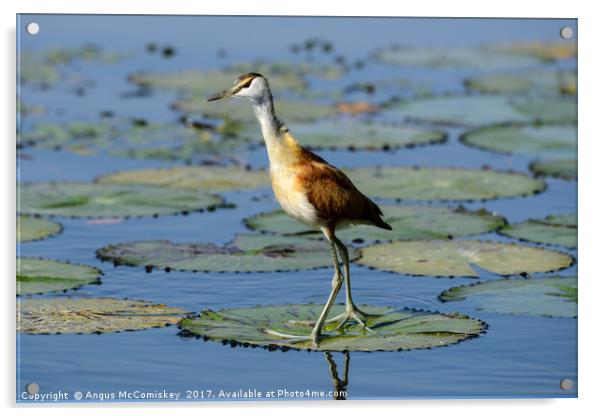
(155, 262)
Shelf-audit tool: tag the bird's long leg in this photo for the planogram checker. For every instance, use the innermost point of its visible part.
(351, 311)
(337, 281)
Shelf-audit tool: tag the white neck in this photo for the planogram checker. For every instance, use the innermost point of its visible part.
(270, 126)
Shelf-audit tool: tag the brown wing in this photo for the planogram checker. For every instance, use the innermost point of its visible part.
(333, 194)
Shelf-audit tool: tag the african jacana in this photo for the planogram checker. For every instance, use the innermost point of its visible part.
(310, 190)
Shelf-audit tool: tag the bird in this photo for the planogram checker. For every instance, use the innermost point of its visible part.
(312, 191)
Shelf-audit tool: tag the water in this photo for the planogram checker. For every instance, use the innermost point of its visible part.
(518, 356)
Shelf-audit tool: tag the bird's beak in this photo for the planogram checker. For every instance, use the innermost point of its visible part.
(220, 95)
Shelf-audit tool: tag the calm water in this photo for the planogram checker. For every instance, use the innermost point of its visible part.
(518, 356)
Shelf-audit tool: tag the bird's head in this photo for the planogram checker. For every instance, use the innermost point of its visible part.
(252, 86)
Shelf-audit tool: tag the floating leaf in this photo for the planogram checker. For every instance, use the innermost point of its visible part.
(478, 110)
(545, 141)
(454, 258)
(554, 296)
(408, 222)
(247, 253)
(558, 168)
(32, 228)
(534, 230)
(401, 182)
(393, 330)
(41, 275)
(538, 80)
(290, 69)
(83, 199)
(65, 315)
(363, 135)
(566, 220)
(451, 57)
(545, 51)
(287, 109)
(216, 178)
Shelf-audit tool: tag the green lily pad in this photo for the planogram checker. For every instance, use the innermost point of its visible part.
(83, 199)
(73, 315)
(352, 134)
(446, 57)
(272, 70)
(143, 140)
(393, 330)
(42, 276)
(552, 296)
(408, 222)
(216, 178)
(246, 253)
(545, 141)
(402, 182)
(540, 81)
(205, 82)
(241, 111)
(454, 258)
(541, 232)
(565, 220)
(33, 229)
(557, 168)
(479, 110)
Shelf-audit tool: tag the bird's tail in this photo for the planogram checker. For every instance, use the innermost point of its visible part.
(381, 224)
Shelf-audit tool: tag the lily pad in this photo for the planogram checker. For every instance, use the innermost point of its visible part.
(73, 315)
(393, 330)
(42, 276)
(540, 81)
(144, 140)
(402, 182)
(246, 253)
(287, 109)
(271, 70)
(408, 222)
(216, 178)
(451, 58)
(33, 229)
(557, 168)
(544, 141)
(363, 135)
(566, 220)
(479, 110)
(83, 199)
(536, 231)
(454, 258)
(545, 51)
(204, 82)
(553, 296)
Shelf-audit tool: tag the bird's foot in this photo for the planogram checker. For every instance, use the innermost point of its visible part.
(313, 337)
(352, 312)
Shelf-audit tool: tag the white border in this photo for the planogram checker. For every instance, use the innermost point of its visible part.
(590, 137)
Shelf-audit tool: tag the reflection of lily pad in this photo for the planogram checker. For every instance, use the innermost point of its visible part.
(454, 258)
(408, 222)
(541, 232)
(393, 330)
(478, 110)
(247, 253)
(450, 57)
(41, 276)
(557, 168)
(442, 183)
(82, 199)
(64, 315)
(287, 109)
(32, 228)
(545, 141)
(547, 296)
(363, 135)
(543, 81)
(215, 178)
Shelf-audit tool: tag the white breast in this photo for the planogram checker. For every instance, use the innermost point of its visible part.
(291, 196)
